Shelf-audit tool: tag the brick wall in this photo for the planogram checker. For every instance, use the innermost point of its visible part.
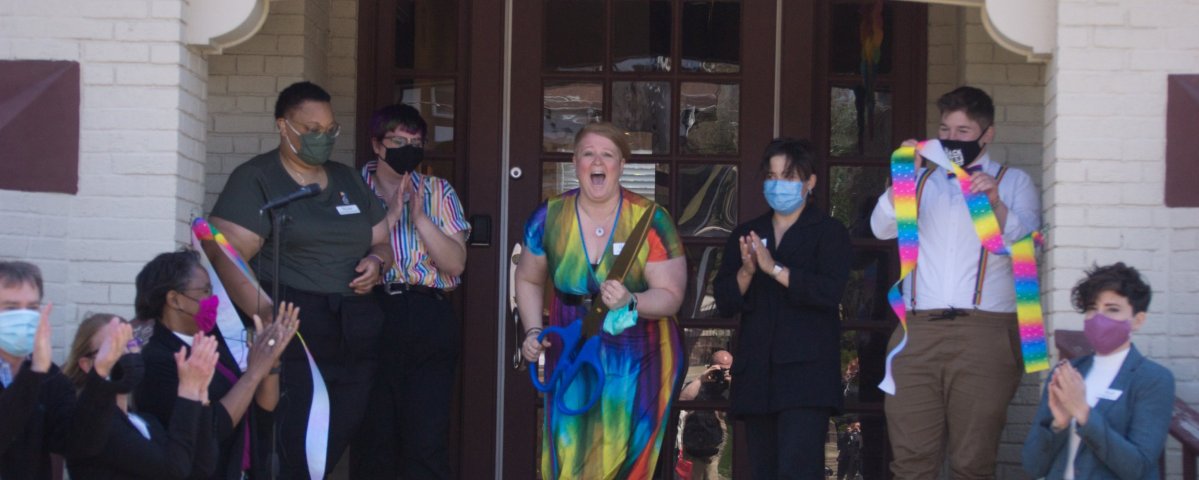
(141, 150)
(960, 52)
(1105, 173)
(311, 40)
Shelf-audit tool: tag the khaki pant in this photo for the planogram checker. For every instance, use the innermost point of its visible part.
(953, 384)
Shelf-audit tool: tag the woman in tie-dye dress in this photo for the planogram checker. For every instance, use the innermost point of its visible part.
(571, 242)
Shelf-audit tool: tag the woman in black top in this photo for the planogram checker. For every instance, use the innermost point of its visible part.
(334, 246)
(784, 273)
(174, 293)
(106, 440)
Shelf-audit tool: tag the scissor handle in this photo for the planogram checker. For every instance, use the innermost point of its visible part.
(588, 357)
(569, 336)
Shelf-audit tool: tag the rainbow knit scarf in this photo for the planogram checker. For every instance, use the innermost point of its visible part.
(1024, 264)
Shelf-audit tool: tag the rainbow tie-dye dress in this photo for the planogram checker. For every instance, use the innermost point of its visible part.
(620, 437)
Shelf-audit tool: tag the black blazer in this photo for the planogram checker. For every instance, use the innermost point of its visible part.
(787, 353)
(157, 394)
(104, 444)
(35, 412)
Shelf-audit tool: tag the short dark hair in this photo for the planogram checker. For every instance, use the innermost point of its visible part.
(297, 93)
(1120, 279)
(15, 273)
(399, 115)
(800, 155)
(975, 102)
(166, 272)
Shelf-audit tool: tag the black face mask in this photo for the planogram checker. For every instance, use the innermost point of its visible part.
(963, 152)
(404, 159)
(128, 372)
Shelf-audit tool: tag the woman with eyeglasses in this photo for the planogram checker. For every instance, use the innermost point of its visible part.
(107, 440)
(408, 435)
(334, 247)
(174, 294)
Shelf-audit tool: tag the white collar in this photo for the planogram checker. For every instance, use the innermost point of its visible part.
(186, 338)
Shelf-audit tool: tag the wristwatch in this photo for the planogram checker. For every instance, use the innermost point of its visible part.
(632, 302)
(777, 270)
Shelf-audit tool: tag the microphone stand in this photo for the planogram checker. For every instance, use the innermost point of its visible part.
(278, 218)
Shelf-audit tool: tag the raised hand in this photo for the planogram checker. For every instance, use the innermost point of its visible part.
(42, 349)
(117, 335)
(196, 369)
(270, 341)
(762, 255)
(749, 261)
(1061, 417)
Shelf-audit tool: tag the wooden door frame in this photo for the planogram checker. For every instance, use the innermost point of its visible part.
(479, 142)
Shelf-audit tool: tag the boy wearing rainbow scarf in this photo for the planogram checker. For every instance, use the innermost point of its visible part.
(962, 361)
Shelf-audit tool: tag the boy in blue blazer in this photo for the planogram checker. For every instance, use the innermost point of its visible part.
(1104, 415)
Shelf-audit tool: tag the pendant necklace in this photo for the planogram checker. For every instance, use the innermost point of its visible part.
(599, 231)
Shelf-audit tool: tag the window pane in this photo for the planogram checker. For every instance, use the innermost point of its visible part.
(574, 35)
(709, 196)
(712, 36)
(699, 300)
(649, 180)
(856, 445)
(845, 55)
(862, 356)
(435, 101)
(568, 107)
(854, 191)
(426, 36)
(641, 36)
(709, 116)
(643, 108)
(705, 438)
(865, 297)
(853, 132)
(700, 344)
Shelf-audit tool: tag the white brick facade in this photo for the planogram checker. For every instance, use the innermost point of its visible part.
(1105, 169)
(141, 150)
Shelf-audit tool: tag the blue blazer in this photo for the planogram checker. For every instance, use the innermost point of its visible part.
(1122, 439)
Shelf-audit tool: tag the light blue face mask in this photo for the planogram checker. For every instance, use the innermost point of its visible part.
(784, 196)
(16, 331)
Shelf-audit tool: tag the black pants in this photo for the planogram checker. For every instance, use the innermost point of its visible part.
(787, 444)
(341, 332)
(407, 434)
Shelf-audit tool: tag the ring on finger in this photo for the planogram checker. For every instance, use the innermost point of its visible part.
(270, 342)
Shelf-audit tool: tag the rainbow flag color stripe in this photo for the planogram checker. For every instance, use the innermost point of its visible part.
(1023, 253)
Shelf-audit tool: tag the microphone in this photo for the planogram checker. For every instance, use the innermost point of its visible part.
(304, 192)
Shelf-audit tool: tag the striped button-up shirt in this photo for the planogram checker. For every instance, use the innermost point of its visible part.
(413, 264)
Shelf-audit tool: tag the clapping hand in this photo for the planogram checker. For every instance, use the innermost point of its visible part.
(116, 335)
(1071, 393)
(196, 369)
(270, 341)
(749, 260)
(1061, 418)
(42, 349)
(762, 256)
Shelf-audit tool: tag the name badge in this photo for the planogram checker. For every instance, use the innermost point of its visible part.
(1111, 394)
(617, 248)
(348, 209)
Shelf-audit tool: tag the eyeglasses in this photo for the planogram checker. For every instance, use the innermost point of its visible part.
(206, 290)
(398, 141)
(332, 131)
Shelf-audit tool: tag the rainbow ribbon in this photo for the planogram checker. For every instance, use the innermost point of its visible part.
(316, 440)
(1023, 253)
